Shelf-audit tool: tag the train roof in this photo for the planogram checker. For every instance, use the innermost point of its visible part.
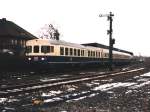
(84, 46)
(58, 42)
(61, 42)
(106, 47)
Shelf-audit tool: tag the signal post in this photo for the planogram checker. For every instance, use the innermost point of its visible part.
(111, 40)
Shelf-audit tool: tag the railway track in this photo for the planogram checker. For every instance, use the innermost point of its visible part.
(18, 89)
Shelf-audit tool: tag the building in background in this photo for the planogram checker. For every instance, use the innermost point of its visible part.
(13, 38)
(12, 45)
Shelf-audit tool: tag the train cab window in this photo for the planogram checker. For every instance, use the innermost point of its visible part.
(51, 49)
(28, 49)
(45, 49)
(36, 49)
(78, 52)
(75, 52)
(66, 51)
(71, 51)
(61, 50)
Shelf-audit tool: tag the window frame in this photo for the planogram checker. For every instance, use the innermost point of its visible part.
(78, 52)
(71, 51)
(45, 49)
(66, 51)
(36, 50)
(61, 50)
(28, 50)
(51, 49)
(75, 52)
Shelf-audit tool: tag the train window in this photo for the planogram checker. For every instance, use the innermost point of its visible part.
(75, 53)
(82, 52)
(61, 50)
(71, 51)
(78, 52)
(51, 49)
(36, 49)
(88, 53)
(66, 51)
(99, 54)
(28, 49)
(93, 53)
(45, 49)
(105, 55)
(96, 54)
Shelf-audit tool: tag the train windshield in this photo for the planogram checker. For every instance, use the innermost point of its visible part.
(28, 49)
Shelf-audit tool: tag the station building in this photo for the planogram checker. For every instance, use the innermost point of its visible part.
(13, 38)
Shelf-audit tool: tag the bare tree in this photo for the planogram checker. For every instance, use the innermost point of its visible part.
(49, 32)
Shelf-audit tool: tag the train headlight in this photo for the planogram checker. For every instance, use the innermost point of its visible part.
(42, 59)
(29, 59)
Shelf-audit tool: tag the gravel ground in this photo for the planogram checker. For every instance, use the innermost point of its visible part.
(126, 94)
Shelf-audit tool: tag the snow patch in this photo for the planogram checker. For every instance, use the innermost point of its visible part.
(65, 75)
(82, 73)
(79, 98)
(143, 80)
(45, 80)
(3, 100)
(140, 85)
(88, 84)
(129, 91)
(13, 100)
(110, 92)
(146, 74)
(136, 77)
(101, 72)
(106, 87)
(52, 100)
(8, 108)
(96, 83)
(92, 95)
(71, 89)
(51, 93)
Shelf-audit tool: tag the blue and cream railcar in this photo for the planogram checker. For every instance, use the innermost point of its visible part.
(52, 53)
(120, 58)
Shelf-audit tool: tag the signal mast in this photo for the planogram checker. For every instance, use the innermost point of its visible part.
(111, 40)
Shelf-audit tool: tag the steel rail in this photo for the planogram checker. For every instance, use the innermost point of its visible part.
(63, 82)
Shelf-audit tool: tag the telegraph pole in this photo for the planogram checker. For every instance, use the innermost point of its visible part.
(111, 40)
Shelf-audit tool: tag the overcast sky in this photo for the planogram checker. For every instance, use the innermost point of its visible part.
(78, 21)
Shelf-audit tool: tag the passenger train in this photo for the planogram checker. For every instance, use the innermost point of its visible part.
(44, 53)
